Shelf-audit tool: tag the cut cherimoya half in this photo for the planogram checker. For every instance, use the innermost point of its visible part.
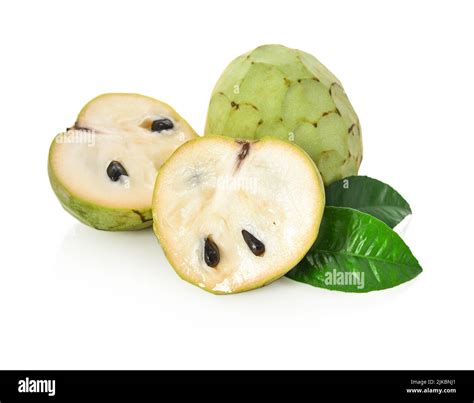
(234, 215)
(103, 169)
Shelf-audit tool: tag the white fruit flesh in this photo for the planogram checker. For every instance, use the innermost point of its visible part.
(117, 127)
(206, 190)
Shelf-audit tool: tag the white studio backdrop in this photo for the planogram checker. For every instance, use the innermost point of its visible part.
(75, 298)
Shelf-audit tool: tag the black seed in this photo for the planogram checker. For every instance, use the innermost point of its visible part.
(256, 246)
(161, 124)
(115, 170)
(211, 253)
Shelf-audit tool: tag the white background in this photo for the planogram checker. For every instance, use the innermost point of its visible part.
(75, 298)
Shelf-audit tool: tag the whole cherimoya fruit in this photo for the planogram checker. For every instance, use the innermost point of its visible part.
(286, 93)
(233, 215)
(103, 169)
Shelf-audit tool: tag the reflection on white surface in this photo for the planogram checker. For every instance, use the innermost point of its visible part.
(85, 250)
(130, 268)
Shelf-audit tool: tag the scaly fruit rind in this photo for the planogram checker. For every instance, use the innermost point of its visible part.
(286, 93)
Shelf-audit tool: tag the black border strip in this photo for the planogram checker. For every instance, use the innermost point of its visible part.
(220, 386)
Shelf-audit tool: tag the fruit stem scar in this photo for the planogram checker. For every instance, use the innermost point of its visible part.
(76, 126)
(243, 152)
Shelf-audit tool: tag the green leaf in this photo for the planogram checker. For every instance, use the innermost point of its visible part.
(369, 196)
(356, 252)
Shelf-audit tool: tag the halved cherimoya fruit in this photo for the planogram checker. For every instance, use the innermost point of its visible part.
(234, 215)
(103, 169)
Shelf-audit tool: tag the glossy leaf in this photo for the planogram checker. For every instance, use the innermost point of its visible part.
(369, 196)
(356, 252)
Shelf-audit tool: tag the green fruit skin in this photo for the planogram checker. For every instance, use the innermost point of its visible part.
(99, 217)
(288, 94)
